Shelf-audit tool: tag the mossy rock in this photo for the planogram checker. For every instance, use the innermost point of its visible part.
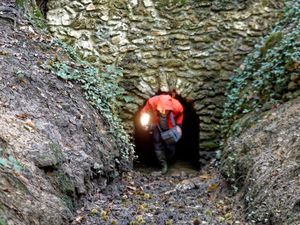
(3, 221)
(272, 40)
(64, 186)
(171, 63)
(209, 145)
(33, 12)
(55, 148)
(65, 183)
(169, 3)
(47, 156)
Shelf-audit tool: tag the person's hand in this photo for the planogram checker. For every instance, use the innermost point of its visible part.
(179, 130)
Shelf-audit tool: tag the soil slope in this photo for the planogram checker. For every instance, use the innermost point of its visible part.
(54, 147)
(264, 161)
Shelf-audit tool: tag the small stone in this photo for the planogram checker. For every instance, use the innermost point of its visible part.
(115, 40)
(105, 18)
(148, 3)
(295, 77)
(134, 2)
(90, 7)
(147, 55)
(292, 86)
(86, 1)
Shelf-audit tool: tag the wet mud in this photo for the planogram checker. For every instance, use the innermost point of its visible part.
(145, 196)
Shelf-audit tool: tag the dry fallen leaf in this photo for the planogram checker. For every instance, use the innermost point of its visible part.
(212, 187)
(22, 116)
(205, 177)
(79, 219)
(6, 189)
(94, 211)
(131, 188)
(29, 123)
(104, 215)
(146, 196)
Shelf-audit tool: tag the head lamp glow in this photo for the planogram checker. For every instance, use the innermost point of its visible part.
(145, 118)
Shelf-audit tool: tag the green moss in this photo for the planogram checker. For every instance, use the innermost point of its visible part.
(272, 40)
(65, 184)
(32, 11)
(55, 148)
(21, 4)
(64, 187)
(3, 221)
(68, 202)
(209, 145)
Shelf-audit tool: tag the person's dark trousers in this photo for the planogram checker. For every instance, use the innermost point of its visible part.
(162, 150)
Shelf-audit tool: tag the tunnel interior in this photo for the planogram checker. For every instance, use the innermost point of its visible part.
(187, 149)
(42, 4)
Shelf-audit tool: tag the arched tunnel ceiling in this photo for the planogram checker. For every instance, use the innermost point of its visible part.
(192, 46)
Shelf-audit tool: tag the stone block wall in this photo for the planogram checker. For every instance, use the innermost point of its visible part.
(191, 46)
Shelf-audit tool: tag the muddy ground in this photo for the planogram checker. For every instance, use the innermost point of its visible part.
(182, 196)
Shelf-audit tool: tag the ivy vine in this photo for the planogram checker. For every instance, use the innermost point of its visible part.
(101, 89)
(261, 81)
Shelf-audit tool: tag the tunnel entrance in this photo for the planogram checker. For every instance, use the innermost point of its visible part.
(42, 5)
(187, 149)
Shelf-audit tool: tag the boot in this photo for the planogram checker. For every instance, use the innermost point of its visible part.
(164, 169)
(163, 161)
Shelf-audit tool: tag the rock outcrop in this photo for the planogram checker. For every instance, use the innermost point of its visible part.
(54, 147)
(264, 162)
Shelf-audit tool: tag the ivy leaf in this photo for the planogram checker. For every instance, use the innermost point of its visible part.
(3, 162)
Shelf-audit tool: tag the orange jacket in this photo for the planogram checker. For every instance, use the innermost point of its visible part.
(166, 102)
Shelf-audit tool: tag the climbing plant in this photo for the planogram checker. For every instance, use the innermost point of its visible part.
(261, 81)
(10, 163)
(101, 89)
(32, 11)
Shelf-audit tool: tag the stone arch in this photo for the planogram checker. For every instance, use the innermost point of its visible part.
(187, 149)
(192, 47)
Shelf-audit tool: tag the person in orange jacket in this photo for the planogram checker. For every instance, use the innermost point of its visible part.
(161, 113)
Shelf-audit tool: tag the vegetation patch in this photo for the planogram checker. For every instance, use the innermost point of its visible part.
(10, 163)
(32, 12)
(55, 148)
(101, 89)
(262, 81)
(3, 221)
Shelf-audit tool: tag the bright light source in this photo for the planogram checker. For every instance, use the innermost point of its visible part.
(145, 118)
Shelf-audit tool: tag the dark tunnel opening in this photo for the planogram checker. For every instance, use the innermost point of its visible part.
(187, 149)
(42, 4)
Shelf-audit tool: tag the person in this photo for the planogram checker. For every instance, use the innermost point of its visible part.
(162, 112)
